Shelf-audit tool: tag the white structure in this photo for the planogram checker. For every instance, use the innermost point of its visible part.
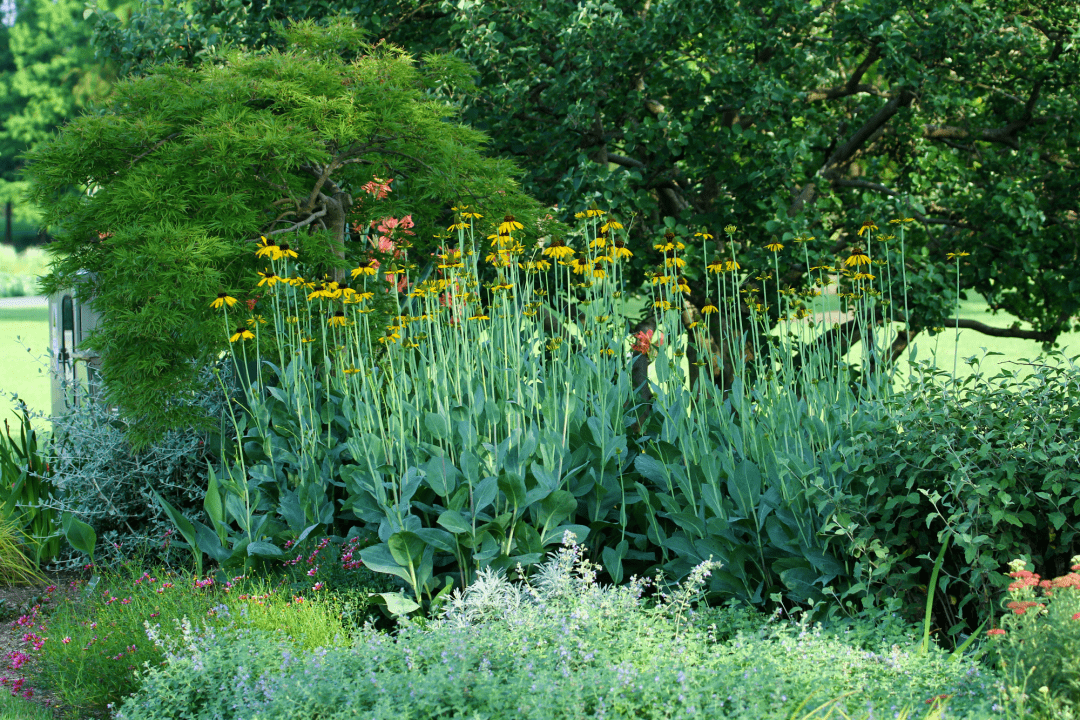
(75, 371)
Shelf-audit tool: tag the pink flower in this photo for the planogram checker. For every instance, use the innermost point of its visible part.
(378, 187)
(645, 342)
(995, 631)
(317, 586)
(66, 640)
(1076, 616)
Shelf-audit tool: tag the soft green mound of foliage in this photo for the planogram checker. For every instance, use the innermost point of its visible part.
(560, 646)
(991, 463)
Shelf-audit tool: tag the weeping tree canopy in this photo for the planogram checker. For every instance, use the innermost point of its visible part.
(164, 195)
(785, 119)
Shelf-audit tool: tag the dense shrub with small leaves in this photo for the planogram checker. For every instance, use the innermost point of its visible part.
(560, 646)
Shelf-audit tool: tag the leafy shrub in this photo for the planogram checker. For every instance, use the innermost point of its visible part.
(993, 462)
(560, 646)
(1037, 647)
(104, 483)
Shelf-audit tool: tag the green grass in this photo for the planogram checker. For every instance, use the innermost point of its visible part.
(24, 346)
(18, 708)
(19, 271)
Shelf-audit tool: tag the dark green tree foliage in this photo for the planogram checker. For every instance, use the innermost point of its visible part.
(785, 119)
(48, 75)
(186, 168)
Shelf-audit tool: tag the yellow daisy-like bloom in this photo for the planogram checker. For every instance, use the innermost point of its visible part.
(602, 259)
(251, 321)
(774, 247)
(223, 299)
(480, 317)
(286, 252)
(337, 319)
(730, 229)
(599, 272)
(292, 319)
(611, 224)
(867, 226)
(716, 266)
(242, 333)
(857, 258)
(895, 221)
(558, 250)
(664, 247)
(459, 226)
(730, 265)
(862, 276)
(502, 286)
(599, 242)
(269, 279)
(709, 310)
(509, 225)
(703, 235)
(369, 270)
(676, 262)
(958, 255)
(580, 266)
(499, 259)
(268, 248)
(681, 286)
(662, 304)
(501, 239)
(348, 296)
(319, 292)
(660, 279)
(619, 251)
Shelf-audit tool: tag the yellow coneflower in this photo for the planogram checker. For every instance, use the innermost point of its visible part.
(268, 278)
(509, 225)
(703, 235)
(500, 239)
(337, 319)
(223, 299)
(553, 344)
(351, 370)
(611, 224)
(660, 279)
(730, 265)
(598, 272)
(709, 310)
(502, 286)
(662, 304)
(681, 286)
(958, 255)
(599, 242)
(268, 248)
(716, 266)
(862, 276)
(320, 291)
(480, 316)
(675, 262)
(286, 252)
(803, 239)
(857, 258)
(242, 333)
(368, 269)
(459, 226)
(580, 266)
(774, 246)
(349, 296)
(730, 229)
(558, 250)
(292, 319)
(867, 226)
(251, 321)
(619, 251)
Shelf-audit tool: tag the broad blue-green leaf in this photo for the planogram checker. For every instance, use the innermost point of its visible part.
(264, 549)
(438, 425)
(653, 469)
(379, 559)
(485, 493)
(454, 521)
(438, 539)
(406, 548)
(81, 536)
(442, 476)
(744, 485)
(396, 603)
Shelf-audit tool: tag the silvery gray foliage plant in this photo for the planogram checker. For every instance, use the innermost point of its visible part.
(107, 485)
(554, 647)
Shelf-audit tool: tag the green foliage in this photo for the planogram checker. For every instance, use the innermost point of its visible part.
(120, 623)
(959, 115)
(102, 481)
(48, 75)
(562, 647)
(991, 462)
(27, 490)
(1035, 649)
(186, 169)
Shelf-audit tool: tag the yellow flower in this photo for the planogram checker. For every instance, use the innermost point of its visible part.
(242, 333)
(269, 279)
(660, 279)
(459, 226)
(268, 248)
(857, 258)
(480, 316)
(703, 235)
(709, 310)
(599, 272)
(223, 299)
(351, 370)
(338, 319)
(774, 247)
(286, 252)
(680, 284)
(958, 255)
(867, 227)
(862, 276)
(256, 319)
(662, 304)
(509, 225)
(716, 266)
(620, 252)
(558, 250)
(599, 242)
(611, 224)
(676, 262)
(730, 229)
(732, 265)
(502, 286)
(580, 265)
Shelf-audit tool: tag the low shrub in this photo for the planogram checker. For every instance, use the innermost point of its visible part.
(561, 646)
(992, 464)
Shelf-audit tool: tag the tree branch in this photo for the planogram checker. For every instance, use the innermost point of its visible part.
(852, 86)
(157, 145)
(965, 324)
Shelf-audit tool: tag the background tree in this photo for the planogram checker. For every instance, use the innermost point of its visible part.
(786, 120)
(185, 169)
(48, 75)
